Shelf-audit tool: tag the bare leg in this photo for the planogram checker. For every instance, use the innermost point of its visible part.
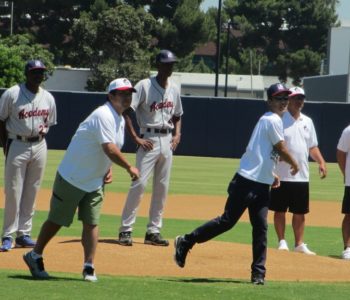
(280, 224)
(89, 240)
(298, 223)
(47, 232)
(346, 230)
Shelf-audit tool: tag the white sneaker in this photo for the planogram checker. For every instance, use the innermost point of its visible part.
(282, 245)
(89, 274)
(304, 249)
(346, 254)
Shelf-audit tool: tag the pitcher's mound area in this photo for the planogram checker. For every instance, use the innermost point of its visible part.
(209, 260)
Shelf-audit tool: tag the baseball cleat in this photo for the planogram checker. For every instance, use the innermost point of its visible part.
(89, 274)
(125, 238)
(155, 239)
(182, 247)
(24, 241)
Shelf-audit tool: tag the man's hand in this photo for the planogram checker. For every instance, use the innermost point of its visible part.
(146, 145)
(108, 177)
(175, 141)
(134, 173)
(322, 170)
(276, 182)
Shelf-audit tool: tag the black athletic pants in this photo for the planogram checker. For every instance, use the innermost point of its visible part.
(243, 193)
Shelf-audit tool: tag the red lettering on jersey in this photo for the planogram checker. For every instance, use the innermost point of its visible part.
(157, 106)
(33, 113)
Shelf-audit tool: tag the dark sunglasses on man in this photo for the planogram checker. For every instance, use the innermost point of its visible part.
(281, 98)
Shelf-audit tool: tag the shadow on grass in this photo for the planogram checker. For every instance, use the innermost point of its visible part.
(52, 278)
(205, 280)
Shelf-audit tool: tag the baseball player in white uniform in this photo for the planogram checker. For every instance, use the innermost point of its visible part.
(26, 113)
(158, 108)
(80, 178)
(293, 193)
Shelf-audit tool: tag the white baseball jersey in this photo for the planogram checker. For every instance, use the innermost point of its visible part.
(85, 164)
(300, 136)
(25, 113)
(344, 145)
(155, 106)
(260, 158)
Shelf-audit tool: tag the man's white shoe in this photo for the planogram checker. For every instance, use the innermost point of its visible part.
(89, 274)
(346, 254)
(282, 245)
(304, 249)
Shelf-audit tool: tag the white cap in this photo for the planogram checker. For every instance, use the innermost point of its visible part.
(296, 90)
(120, 84)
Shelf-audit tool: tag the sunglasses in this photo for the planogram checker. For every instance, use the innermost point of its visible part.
(298, 97)
(281, 98)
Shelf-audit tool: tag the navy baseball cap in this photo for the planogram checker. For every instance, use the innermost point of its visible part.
(166, 56)
(34, 65)
(276, 89)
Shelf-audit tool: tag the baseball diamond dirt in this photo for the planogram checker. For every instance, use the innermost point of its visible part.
(210, 260)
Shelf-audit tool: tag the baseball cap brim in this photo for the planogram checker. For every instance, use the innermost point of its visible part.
(281, 91)
(296, 94)
(36, 68)
(124, 89)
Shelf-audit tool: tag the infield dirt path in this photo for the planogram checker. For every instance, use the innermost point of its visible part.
(209, 260)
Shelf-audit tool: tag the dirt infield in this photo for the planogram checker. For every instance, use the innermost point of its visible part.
(209, 260)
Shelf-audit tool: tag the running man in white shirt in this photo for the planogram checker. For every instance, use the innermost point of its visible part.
(27, 111)
(293, 193)
(158, 109)
(343, 158)
(80, 179)
(250, 186)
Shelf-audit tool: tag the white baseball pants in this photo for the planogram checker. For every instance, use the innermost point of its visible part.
(24, 169)
(158, 161)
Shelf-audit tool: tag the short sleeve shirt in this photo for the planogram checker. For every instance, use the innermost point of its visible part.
(85, 164)
(155, 106)
(344, 145)
(25, 113)
(259, 160)
(300, 136)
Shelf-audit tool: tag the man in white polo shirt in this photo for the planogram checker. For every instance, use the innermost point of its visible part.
(293, 193)
(80, 179)
(343, 159)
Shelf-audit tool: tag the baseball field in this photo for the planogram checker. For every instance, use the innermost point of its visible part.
(219, 269)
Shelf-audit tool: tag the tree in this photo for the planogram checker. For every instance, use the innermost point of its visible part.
(15, 51)
(111, 47)
(281, 29)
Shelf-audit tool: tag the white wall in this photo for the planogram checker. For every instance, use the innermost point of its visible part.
(339, 50)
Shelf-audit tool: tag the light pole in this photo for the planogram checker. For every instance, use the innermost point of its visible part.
(6, 4)
(218, 49)
(227, 53)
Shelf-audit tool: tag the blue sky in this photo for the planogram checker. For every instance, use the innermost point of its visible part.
(343, 9)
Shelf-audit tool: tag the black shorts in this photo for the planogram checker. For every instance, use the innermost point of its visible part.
(291, 196)
(346, 201)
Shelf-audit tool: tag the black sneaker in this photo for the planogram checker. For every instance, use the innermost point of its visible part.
(258, 279)
(182, 247)
(155, 239)
(89, 274)
(125, 238)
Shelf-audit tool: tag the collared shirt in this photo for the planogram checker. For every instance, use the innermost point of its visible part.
(300, 136)
(344, 145)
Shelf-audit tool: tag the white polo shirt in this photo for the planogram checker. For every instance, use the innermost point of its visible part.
(344, 145)
(85, 164)
(300, 136)
(260, 158)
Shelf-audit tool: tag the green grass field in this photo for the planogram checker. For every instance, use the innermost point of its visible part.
(190, 175)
